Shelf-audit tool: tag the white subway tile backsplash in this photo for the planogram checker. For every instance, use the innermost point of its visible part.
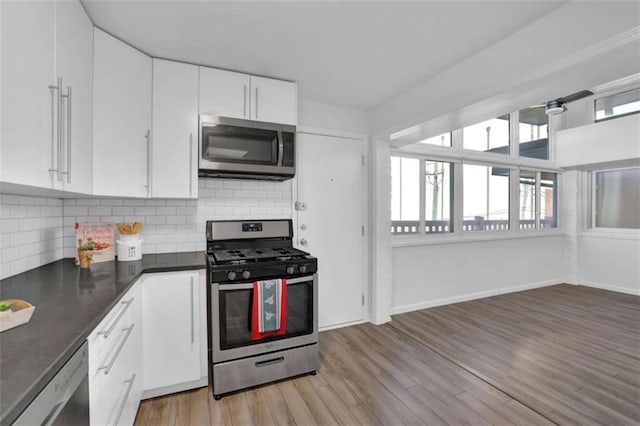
(30, 232)
(36, 230)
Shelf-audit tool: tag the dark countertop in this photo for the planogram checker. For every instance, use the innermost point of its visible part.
(70, 302)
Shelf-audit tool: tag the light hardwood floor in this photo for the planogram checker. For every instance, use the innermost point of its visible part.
(562, 354)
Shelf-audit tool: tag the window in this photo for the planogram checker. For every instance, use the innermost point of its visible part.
(527, 199)
(617, 199)
(618, 105)
(437, 200)
(533, 132)
(441, 140)
(548, 200)
(405, 195)
(486, 198)
(491, 135)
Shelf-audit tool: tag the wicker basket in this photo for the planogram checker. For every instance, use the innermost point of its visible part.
(20, 315)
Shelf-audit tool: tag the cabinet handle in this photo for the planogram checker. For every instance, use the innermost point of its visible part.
(244, 107)
(68, 134)
(118, 318)
(107, 368)
(126, 397)
(147, 136)
(193, 337)
(55, 150)
(190, 164)
(60, 128)
(256, 103)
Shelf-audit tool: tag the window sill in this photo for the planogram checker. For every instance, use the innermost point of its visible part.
(468, 237)
(611, 233)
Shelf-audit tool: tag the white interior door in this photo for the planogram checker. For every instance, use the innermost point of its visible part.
(330, 177)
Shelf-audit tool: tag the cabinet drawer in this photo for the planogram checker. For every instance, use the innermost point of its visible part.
(261, 369)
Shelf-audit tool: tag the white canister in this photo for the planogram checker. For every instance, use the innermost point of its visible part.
(129, 247)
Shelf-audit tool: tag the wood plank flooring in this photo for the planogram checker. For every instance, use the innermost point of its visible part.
(561, 354)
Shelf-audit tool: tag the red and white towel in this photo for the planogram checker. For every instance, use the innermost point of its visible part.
(269, 308)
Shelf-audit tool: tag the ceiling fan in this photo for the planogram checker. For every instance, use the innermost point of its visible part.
(556, 106)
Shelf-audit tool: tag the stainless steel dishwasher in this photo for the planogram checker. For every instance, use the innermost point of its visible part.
(65, 399)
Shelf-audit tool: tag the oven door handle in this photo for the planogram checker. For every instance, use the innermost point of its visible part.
(245, 286)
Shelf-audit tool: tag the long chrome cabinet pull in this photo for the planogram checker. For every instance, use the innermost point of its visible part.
(193, 337)
(244, 106)
(107, 332)
(126, 397)
(107, 368)
(68, 172)
(256, 102)
(148, 185)
(54, 149)
(190, 164)
(60, 129)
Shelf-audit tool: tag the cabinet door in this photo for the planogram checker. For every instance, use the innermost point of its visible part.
(175, 130)
(171, 329)
(74, 64)
(121, 118)
(224, 93)
(28, 139)
(274, 100)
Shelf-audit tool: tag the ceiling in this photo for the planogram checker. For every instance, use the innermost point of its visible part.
(356, 54)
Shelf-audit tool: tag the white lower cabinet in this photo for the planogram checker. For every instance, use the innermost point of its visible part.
(174, 332)
(115, 364)
(153, 342)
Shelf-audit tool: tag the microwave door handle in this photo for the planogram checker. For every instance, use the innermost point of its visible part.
(280, 148)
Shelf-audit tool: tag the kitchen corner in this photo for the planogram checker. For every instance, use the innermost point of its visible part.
(70, 303)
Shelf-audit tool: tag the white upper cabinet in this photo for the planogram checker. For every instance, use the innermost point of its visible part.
(44, 43)
(121, 119)
(174, 170)
(232, 94)
(274, 100)
(74, 64)
(224, 93)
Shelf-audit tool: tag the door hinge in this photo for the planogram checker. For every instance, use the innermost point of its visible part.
(363, 300)
(363, 160)
(363, 230)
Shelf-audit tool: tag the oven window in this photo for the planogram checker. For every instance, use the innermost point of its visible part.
(235, 315)
(233, 144)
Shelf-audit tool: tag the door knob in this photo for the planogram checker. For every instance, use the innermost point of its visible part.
(303, 242)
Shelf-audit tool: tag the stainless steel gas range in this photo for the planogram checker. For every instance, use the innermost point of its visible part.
(241, 253)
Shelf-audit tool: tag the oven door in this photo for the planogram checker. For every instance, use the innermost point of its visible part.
(231, 319)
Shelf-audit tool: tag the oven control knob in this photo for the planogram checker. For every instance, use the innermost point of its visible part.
(290, 269)
(231, 275)
(246, 274)
(303, 268)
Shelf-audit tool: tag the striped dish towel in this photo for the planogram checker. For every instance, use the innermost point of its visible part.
(269, 308)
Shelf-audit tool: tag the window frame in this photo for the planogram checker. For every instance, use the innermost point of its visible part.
(458, 156)
(590, 223)
(609, 94)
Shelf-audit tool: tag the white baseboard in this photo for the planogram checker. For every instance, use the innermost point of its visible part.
(343, 324)
(466, 297)
(627, 290)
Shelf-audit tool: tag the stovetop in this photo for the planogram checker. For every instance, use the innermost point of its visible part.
(254, 254)
(243, 250)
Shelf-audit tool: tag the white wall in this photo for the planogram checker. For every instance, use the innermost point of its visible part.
(432, 275)
(610, 262)
(30, 233)
(317, 115)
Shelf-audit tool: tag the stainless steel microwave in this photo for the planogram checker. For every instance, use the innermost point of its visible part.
(235, 148)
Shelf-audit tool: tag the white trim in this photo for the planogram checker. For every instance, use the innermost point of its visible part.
(617, 289)
(470, 237)
(330, 132)
(611, 233)
(472, 296)
(341, 325)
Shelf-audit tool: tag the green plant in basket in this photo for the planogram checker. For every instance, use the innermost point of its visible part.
(86, 245)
